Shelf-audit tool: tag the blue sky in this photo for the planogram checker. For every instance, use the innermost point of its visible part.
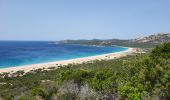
(82, 19)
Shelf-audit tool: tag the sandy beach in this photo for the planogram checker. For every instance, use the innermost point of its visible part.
(27, 68)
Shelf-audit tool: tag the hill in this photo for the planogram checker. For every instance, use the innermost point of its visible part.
(143, 42)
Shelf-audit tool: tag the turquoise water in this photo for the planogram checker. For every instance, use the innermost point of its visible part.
(18, 53)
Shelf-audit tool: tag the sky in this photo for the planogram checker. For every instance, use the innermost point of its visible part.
(82, 19)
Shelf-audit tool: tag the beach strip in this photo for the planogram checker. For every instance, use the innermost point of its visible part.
(108, 56)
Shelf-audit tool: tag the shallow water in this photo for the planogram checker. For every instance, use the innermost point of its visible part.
(17, 53)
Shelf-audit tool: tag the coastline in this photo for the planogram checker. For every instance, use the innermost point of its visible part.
(27, 68)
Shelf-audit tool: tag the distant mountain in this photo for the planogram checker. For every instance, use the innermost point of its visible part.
(147, 41)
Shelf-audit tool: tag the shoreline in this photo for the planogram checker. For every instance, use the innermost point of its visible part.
(27, 68)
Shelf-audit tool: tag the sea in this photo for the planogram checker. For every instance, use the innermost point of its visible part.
(19, 53)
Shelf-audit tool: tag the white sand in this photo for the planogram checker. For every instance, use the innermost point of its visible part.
(27, 68)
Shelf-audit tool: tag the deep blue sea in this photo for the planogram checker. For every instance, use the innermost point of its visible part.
(17, 53)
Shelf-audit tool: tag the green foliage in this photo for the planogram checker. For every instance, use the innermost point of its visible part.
(68, 96)
(128, 92)
(101, 80)
(162, 50)
(39, 92)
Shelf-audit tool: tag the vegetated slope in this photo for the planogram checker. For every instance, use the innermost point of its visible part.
(137, 77)
(148, 41)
